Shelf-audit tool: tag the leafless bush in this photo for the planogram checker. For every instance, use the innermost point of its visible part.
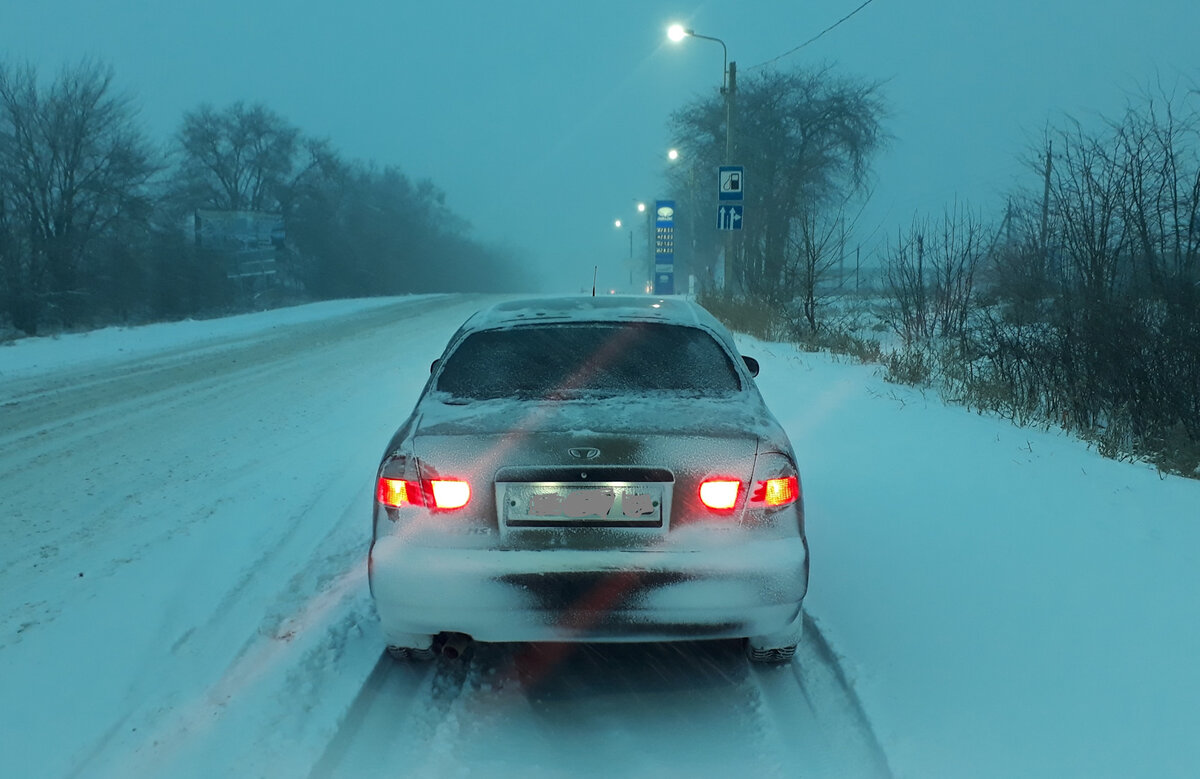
(931, 272)
(1089, 316)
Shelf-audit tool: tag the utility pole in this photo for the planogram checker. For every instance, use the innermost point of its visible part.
(842, 257)
(857, 262)
(730, 95)
(1046, 201)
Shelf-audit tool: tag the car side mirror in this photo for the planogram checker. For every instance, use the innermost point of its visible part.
(433, 366)
(751, 365)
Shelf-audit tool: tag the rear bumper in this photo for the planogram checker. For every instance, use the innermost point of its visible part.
(750, 589)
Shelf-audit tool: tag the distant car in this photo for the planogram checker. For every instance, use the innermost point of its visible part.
(589, 469)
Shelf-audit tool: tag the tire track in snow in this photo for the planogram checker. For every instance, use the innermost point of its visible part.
(602, 709)
(819, 714)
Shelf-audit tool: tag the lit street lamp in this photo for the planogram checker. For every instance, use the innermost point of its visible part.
(677, 32)
(618, 224)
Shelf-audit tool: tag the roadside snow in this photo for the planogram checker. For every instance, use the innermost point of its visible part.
(31, 356)
(1008, 602)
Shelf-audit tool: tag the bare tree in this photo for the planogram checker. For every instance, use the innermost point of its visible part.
(1162, 176)
(907, 285)
(1087, 196)
(817, 248)
(75, 165)
(241, 158)
(806, 139)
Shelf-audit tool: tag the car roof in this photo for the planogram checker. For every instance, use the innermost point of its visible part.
(584, 308)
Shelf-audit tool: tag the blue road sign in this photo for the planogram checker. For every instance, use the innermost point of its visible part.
(731, 182)
(729, 217)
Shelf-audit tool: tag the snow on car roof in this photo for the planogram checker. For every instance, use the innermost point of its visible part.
(590, 309)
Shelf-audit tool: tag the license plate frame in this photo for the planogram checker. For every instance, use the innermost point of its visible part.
(583, 504)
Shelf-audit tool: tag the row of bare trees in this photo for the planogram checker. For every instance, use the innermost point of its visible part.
(73, 176)
(1083, 308)
(93, 215)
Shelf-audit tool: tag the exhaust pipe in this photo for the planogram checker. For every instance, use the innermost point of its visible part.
(454, 645)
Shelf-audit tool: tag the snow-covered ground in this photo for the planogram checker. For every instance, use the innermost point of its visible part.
(184, 518)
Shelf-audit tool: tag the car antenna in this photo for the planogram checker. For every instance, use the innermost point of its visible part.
(595, 269)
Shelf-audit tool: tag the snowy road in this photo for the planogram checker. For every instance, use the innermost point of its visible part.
(695, 709)
(181, 562)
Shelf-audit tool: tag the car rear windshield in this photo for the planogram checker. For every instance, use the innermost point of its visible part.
(579, 360)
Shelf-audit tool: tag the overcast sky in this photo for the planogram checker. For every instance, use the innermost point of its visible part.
(543, 122)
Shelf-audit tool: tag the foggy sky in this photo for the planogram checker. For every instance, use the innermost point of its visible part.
(544, 122)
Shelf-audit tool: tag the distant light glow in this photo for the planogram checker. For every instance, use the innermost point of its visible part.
(641, 208)
(617, 223)
(673, 154)
(676, 32)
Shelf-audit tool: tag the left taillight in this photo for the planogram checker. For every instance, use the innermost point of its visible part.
(395, 493)
(400, 485)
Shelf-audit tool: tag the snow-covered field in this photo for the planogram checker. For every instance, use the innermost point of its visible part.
(183, 525)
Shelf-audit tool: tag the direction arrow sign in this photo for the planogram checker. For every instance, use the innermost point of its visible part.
(729, 217)
(731, 182)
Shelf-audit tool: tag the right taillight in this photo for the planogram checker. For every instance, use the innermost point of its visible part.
(777, 492)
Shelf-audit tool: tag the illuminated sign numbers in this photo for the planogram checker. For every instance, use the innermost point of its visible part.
(664, 240)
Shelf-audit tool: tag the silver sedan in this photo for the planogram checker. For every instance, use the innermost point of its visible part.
(590, 469)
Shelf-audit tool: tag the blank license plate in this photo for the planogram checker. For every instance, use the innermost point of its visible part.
(608, 504)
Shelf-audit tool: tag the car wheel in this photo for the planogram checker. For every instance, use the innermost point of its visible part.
(407, 653)
(773, 656)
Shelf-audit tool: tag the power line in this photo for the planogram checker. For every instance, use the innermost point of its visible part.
(812, 39)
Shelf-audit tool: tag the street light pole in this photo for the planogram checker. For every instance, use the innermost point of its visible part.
(678, 32)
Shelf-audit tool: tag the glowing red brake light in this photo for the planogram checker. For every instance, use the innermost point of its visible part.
(397, 492)
(450, 493)
(719, 494)
(778, 492)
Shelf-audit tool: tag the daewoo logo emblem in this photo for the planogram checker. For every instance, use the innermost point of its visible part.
(584, 452)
